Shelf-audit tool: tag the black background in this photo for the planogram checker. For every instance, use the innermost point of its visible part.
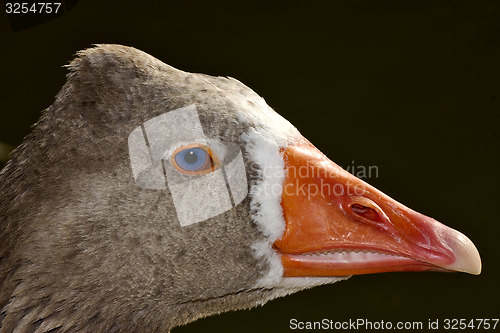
(411, 87)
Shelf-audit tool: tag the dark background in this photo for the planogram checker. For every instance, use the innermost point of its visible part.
(411, 87)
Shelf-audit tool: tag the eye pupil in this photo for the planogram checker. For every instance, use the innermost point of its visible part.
(191, 157)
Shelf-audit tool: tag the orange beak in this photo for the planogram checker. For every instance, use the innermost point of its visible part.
(336, 225)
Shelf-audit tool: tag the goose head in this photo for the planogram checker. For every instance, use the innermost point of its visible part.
(147, 197)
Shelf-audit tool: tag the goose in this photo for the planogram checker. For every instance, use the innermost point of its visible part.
(147, 197)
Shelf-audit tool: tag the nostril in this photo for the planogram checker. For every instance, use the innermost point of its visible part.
(365, 212)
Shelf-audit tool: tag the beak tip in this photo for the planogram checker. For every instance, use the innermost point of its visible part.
(467, 256)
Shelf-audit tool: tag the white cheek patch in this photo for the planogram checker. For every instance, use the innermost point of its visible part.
(196, 197)
(266, 193)
(266, 201)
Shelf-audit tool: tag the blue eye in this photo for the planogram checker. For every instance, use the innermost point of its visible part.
(193, 160)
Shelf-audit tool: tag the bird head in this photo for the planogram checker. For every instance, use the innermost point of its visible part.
(147, 197)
